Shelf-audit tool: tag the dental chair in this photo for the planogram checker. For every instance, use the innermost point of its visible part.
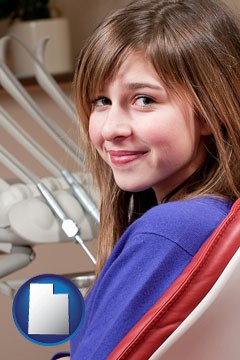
(198, 317)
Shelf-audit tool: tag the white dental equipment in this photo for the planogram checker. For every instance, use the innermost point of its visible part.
(20, 197)
(48, 161)
(12, 85)
(70, 228)
(20, 255)
(19, 93)
(47, 82)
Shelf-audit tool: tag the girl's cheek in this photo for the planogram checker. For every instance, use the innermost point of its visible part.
(94, 133)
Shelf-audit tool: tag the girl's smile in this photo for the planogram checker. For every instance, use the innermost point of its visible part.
(123, 157)
(147, 135)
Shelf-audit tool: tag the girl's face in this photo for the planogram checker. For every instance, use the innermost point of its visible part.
(147, 135)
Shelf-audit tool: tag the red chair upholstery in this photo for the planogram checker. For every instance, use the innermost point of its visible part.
(184, 294)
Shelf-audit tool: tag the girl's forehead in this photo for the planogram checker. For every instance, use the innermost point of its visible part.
(127, 67)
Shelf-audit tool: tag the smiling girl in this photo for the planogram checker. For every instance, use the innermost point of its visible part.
(157, 89)
(146, 134)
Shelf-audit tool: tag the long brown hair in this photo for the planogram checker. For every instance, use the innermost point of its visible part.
(195, 48)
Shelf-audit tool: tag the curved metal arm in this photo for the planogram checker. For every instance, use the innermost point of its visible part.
(17, 91)
(47, 82)
(81, 195)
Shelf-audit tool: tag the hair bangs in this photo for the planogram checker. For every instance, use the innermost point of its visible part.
(98, 63)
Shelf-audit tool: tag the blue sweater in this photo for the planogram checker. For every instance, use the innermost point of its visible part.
(148, 257)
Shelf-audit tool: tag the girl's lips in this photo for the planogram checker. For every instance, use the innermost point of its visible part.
(122, 157)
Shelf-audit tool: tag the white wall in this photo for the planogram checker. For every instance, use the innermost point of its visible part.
(85, 15)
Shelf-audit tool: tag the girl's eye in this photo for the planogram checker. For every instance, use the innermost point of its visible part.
(101, 101)
(144, 101)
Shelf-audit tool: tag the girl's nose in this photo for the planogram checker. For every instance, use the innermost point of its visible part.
(117, 124)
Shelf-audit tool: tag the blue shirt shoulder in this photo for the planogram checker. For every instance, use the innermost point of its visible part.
(184, 222)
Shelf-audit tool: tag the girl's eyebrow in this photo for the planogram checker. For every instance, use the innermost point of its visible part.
(140, 85)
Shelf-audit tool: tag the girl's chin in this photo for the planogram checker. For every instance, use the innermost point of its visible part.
(134, 189)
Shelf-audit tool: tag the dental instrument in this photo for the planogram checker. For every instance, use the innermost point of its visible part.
(69, 227)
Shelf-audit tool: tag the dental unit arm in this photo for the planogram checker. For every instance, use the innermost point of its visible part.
(59, 202)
